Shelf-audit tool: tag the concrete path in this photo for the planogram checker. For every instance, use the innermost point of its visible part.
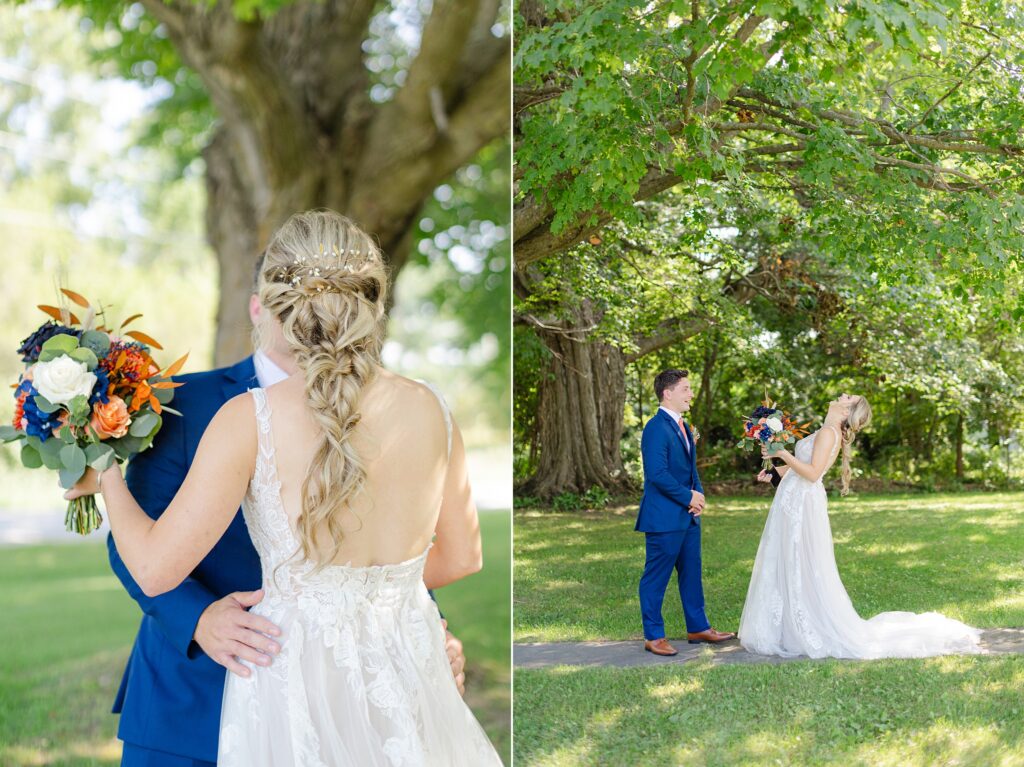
(631, 653)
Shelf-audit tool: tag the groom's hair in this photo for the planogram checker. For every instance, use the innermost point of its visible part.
(257, 268)
(667, 378)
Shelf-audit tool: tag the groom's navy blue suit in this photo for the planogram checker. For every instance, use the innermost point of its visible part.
(170, 695)
(673, 534)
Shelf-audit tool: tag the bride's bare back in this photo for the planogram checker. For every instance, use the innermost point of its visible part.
(402, 440)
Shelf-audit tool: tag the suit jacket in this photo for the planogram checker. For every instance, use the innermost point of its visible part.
(170, 695)
(670, 476)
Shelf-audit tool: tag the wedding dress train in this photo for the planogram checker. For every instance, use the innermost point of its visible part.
(362, 679)
(797, 604)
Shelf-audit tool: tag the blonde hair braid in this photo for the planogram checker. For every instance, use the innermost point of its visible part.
(858, 418)
(324, 280)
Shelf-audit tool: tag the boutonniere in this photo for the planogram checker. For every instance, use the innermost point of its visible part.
(696, 433)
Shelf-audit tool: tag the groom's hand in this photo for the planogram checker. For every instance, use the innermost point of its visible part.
(697, 501)
(227, 632)
(455, 657)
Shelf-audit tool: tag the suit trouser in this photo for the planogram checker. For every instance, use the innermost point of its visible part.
(679, 550)
(138, 756)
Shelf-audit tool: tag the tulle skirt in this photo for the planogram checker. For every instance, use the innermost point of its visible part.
(360, 683)
(797, 605)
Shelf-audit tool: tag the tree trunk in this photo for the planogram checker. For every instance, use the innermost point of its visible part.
(298, 129)
(580, 416)
(960, 446)
(707, 391)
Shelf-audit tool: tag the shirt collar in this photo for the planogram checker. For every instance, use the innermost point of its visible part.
(268, 372)
(675, 416)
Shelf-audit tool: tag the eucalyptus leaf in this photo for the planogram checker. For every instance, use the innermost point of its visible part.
(72, 457)
(125, 447)
(9, 433)
(68, 477)
(143, 424)
(45, 405)
(163, 396)
(95, 341)
(99, 456)
(79, 407)
(50, 452)
(63, 343)
(30, 457)
(85, 355)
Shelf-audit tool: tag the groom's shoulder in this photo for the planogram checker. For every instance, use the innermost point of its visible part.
(653, 423)
(653, 420)
(206, 384)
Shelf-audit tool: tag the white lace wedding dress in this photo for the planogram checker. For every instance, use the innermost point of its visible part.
(362, 679)
(797, 605)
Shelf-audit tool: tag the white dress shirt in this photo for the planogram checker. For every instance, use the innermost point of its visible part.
(675, 417)
(268, 372)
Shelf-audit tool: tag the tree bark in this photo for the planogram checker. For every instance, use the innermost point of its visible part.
(580, 414)
(960, 446)
(298, 129)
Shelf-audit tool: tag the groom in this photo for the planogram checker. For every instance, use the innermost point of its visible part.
(670, 511)
(170, 696)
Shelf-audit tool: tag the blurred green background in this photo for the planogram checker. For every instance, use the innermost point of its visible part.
(102, 191)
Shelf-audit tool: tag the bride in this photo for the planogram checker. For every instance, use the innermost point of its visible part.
(345, 472)
(796, 603)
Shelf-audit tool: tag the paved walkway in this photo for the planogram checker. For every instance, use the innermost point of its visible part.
(631, 653)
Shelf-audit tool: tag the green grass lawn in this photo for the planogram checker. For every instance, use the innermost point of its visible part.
(919, 713)
(68, 627)
(576, 578)
(576, 575)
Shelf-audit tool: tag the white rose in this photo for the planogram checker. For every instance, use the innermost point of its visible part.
(774, 424)
(62, 379)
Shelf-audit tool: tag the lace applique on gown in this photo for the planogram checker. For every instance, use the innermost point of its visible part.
(797, 604)
(363, 678)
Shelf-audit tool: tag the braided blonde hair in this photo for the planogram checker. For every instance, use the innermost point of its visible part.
(324, 280)
(858, 418)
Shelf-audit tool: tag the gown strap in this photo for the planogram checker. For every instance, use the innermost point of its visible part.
(444, 409)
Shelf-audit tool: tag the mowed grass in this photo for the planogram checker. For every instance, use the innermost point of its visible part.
(68, 627)
(961, 554)
(908, 713)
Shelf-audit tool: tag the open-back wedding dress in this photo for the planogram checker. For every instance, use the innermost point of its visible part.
(363, 677)
(797, 605)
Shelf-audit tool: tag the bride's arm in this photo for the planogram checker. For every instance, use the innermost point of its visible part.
(821, 459)
(457, 550)
(160, 554)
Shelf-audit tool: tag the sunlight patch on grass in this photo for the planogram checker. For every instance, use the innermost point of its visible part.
(1008, 602)
(890, 548)
(104, 752)
(675, 688)
(942, 743)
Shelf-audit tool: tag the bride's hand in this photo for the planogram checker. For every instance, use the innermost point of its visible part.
(88, 483)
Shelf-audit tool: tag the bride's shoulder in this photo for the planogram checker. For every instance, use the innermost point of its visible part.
(407, 393)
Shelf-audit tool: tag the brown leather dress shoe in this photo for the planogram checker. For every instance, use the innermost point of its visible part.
(710, 635)
(660, 647)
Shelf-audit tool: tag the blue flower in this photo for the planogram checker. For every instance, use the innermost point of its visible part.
(38, 423)
(762, 412)
(99, 391)
(32, 345)
(765, 434)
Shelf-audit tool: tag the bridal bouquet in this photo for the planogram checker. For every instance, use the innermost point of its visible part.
(771, 427)
(89, 396)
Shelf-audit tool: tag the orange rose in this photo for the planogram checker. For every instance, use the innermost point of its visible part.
(110, 420)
